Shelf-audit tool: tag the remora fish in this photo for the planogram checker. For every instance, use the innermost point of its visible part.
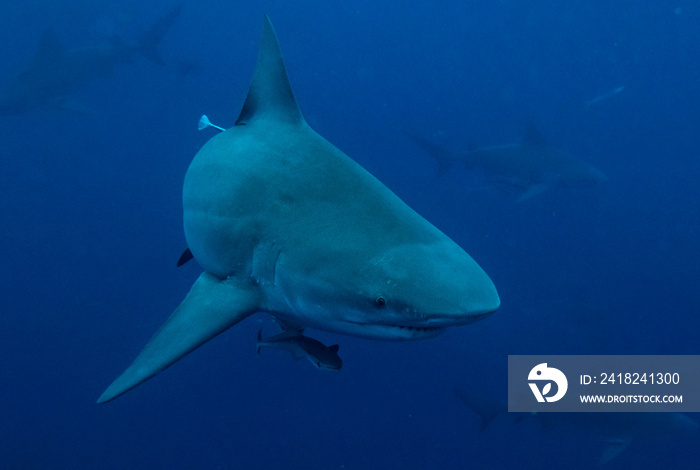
(321, 356)
(285, 223)
(532, 165)
(616, 430)
(56, 72)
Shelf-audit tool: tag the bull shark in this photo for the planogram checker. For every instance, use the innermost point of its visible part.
(532, 165)
(56, 72)
(293, 340)
(283, 222)
(616, 430)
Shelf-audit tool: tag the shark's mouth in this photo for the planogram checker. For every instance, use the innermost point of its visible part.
(428, 328)
(420, 329)
(407, 332)
(385, 331)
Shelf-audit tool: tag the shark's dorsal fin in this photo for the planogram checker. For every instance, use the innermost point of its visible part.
(149, 40)
(334, 348)
(533, 137)
(50, 48)
(270, 95)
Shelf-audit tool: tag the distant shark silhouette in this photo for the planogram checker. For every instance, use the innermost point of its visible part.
(285, 223)
(607, 95)
(616, 430)
(531, 165)
(56, 72)
(293, 340)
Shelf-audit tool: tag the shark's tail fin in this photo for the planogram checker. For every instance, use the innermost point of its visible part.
(148, 42)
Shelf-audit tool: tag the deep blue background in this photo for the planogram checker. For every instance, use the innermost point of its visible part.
(91, 228)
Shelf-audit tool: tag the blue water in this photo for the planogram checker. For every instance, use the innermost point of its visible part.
(91, 220)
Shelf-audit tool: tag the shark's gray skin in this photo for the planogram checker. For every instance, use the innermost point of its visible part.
(616, 430)
(321, 356)
(532, 165)
(57, 72)
(283, 222)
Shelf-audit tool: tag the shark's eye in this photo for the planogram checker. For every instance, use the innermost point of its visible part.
(380, 301)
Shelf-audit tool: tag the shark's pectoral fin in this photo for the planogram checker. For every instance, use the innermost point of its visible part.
(613, 448)
(212, 306)
(185, 257)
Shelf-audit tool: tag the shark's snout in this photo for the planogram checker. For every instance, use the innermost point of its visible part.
(429, 311)
(444, 286)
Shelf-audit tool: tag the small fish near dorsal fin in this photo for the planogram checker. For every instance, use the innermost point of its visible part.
(204, 122)
(533, 137)
(50, 48)
(270, 95)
